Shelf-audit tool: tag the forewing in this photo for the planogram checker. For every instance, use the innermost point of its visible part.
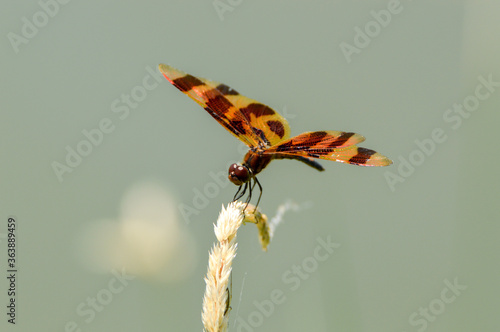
(217, 99)
(268, 124)
(330, 145)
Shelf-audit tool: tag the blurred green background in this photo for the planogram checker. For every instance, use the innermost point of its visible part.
(391, 71)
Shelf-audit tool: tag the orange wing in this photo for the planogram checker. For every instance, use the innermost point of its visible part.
(330, 145)
(268, 124)
(250, 121)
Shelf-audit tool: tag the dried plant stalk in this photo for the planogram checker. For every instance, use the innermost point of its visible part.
(215, 314)
(217, 298)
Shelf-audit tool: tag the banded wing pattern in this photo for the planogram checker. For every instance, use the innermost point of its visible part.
(269, 125)
(330, 145)
(252, 122)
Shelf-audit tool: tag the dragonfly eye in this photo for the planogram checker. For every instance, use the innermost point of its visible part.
(238, 174)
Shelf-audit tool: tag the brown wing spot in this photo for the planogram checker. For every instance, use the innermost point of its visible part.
(313, 139)
(339, 141)
(276, 127)
(235, 125)
(219, 103)
(362, 156)
(238, 125)
(187, 82)
(285, 146)
(226, 90)
(257, 110)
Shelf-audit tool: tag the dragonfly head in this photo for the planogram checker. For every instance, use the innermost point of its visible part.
(239, 174)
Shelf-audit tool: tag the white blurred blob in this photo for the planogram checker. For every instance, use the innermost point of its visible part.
(147, 239)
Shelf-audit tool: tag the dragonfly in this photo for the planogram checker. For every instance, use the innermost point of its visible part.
(267, 133)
